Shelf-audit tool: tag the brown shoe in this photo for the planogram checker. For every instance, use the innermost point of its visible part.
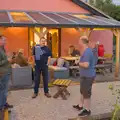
(34, 95)
(48, 95)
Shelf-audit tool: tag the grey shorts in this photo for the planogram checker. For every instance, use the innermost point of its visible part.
(86, 86)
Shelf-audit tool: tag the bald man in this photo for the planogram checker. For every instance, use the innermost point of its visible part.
(87, 76)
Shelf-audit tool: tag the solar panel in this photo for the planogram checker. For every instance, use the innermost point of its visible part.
(58, 18)
(4, 17)
(20, 17)
(40, 19)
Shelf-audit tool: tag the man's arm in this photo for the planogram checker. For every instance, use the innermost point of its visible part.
(49, 59)
(33, 55)
(86, 60)
(2, 62)
(49, 56)
(84, 64)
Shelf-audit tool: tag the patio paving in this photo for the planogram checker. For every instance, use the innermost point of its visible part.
(42, 108)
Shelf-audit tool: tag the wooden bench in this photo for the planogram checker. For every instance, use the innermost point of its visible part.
(62, 88)
(75, 70)
(101, 68)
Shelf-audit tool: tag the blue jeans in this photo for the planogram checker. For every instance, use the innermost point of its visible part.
(38, 71)
(4, 80)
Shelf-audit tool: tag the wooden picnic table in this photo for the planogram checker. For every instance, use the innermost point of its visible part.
(72, 62)
(101, 58)
(101, 68)
(75, 70)
(70, 58)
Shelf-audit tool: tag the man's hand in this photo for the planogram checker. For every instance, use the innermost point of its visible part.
(49, 59)
(9, 60)
(84, 64)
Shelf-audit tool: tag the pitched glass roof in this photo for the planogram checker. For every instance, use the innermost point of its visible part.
(52, 19)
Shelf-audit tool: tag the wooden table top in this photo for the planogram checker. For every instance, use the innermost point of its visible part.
(70, 58)
(101, 58)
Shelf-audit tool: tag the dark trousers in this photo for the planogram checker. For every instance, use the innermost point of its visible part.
(38, 71)
(4, 80)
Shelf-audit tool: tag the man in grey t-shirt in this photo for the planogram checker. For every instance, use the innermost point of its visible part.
(87, 75)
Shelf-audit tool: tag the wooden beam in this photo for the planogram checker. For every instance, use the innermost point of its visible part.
(117, 34)
(37, 33)
(117, 53)
(41, 33)
(85, 31)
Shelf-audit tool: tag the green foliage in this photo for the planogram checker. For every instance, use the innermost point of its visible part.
(107, 7)
(91, 2)
(99, 4)
(116, 92)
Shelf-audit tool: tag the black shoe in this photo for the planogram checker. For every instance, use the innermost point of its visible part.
(6, 106)
(34, 95)
(84, 113)
(77, 107)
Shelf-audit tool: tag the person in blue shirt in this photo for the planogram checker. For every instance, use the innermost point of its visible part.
(94, 47)
(87, 76)
(42, 55)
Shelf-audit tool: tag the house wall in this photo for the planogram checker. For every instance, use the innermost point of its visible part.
(105, 37)
(70, 36)
(42, 5)
(17, 38)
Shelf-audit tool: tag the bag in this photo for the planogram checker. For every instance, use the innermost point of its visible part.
(38, 52)
(101, 50)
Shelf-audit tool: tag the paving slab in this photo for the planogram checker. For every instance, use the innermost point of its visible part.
(42, 108)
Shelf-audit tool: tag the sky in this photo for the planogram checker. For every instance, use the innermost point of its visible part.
(116, 2)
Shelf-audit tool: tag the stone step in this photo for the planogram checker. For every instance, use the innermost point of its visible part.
(105, 116)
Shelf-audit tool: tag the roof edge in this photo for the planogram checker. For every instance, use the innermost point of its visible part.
(4, 10)
(90, 8)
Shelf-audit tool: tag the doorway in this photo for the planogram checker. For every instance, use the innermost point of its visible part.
(53, 40)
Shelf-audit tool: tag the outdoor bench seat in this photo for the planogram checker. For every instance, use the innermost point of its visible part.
(21, 76)
(59, 72)
(101, 68)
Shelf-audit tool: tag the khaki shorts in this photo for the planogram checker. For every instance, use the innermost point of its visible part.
(86, 86)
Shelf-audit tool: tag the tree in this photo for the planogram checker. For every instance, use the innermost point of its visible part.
(91, 2)
(99, 4)
(107, 7)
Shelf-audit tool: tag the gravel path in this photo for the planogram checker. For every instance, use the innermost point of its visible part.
(42, 108)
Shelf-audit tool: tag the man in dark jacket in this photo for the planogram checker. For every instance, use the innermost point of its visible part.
(5, 70)
(73, 52)
(42, 56)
